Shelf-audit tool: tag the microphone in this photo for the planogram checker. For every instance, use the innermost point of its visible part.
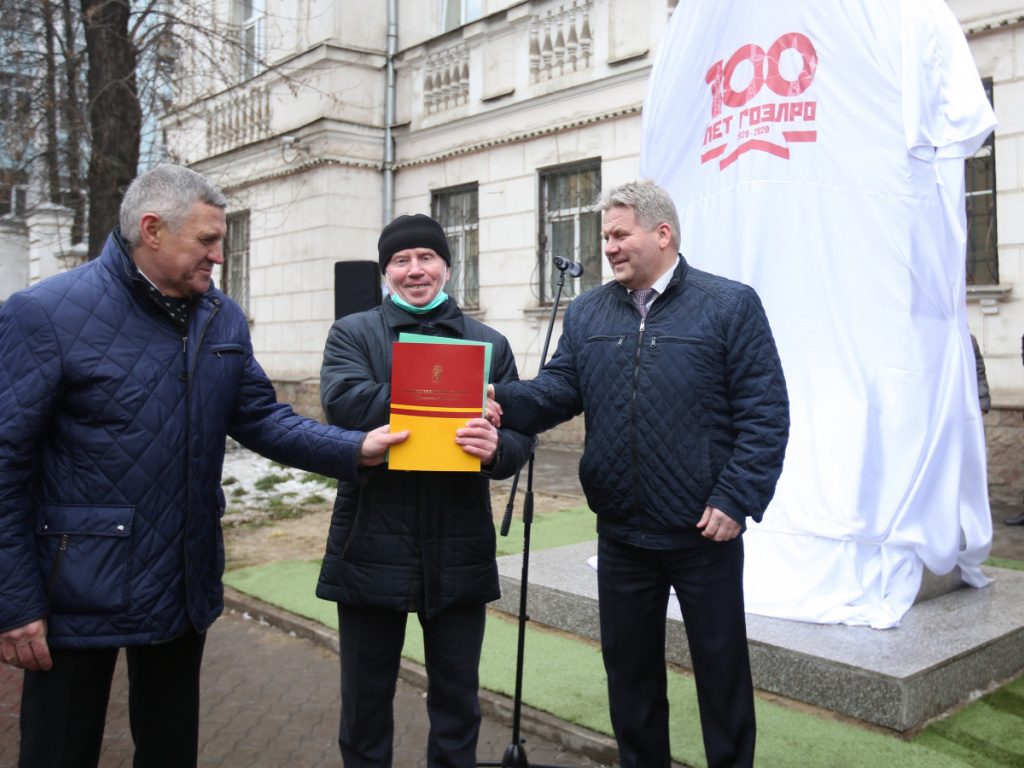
(572, 268)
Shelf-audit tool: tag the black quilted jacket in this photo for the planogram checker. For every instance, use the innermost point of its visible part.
(683, 410)
(112, 428)
(408, 541)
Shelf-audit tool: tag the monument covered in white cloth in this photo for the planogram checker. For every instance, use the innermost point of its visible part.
(815, 151)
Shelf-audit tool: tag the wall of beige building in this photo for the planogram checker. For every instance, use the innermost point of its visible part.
(480, 104)
(995, 32)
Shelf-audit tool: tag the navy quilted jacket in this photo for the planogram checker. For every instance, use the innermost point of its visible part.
(683, 410)
(112, 428)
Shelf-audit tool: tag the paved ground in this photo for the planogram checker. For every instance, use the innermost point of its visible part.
(1007, 540)
(270, 699)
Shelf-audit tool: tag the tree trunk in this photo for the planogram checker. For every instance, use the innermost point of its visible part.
(115, 117)
(50, 108)
(73, 120)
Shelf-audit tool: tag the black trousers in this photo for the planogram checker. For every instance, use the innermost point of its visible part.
(633, 592)
(371, 649)
(64, 710)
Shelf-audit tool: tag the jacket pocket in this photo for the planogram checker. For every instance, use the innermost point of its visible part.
(226, 363)
(83, 554)
(222, 350)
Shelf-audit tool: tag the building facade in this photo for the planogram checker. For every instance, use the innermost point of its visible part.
(325, 118)
(995, 248)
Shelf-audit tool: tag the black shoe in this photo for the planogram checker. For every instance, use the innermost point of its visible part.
(1019, 520)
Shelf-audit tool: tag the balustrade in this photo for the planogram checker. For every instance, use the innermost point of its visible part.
(561, 41)
(446, 79)
(238, 118)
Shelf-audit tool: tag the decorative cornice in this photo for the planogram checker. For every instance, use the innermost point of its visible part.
(989, 296)
(426, 160)
(301, 168)
(517, 137)
(999, 22)
(999, 292)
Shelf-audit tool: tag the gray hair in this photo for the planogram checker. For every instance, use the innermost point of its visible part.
(652, 205)
(169, 191)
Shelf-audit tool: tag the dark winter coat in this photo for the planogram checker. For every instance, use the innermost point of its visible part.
(112, 430)
(408, 541)
(685, 409)
(984, 398)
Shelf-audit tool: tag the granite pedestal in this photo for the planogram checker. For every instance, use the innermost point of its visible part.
(945, 649)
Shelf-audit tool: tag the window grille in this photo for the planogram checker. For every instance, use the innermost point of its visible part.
(980, 186)
(236, 259)
(455, 209)
(570, 226)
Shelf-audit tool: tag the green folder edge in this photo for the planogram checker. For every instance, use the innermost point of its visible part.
(419, 338)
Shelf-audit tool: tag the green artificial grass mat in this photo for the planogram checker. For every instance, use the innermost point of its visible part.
(1002, 562)
(987, 734)
(565, 677)
(290, 584)
(556, 529)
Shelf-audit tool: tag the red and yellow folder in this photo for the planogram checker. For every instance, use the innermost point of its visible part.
(435, 389)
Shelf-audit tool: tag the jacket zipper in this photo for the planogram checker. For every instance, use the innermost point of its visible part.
(188, 439)
(56, 564)
(636, 469)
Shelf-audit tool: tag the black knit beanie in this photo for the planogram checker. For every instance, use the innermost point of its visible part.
(416, 231)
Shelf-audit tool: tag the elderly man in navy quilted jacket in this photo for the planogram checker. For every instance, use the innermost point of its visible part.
(118, 383)
(687, 418)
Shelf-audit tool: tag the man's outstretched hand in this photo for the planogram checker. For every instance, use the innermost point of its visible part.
(492, 412)
(479, 438)
(374, 449)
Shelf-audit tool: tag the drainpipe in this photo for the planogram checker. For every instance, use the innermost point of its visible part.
(389, 114)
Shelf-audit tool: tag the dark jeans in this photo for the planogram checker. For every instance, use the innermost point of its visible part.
(633, 590)
(371, 646)
(64, 710)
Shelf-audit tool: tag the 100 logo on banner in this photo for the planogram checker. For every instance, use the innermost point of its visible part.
(719, 76)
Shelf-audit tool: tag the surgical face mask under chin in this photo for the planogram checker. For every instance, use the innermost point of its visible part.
(437, 301)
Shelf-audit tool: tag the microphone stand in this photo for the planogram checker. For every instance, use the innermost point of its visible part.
(515, 754)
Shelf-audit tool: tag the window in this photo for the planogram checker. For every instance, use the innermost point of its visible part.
(980, 170)
(570, 226)
(12, 201)
(455, 13)
(235, 271)
(13, 193)
(15, 98)
(456, 211)
(252, 12)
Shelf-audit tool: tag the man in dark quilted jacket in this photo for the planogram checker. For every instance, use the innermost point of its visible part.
(119, 381)
(676, 373)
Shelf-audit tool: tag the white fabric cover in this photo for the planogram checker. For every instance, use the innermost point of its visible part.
(846, 213)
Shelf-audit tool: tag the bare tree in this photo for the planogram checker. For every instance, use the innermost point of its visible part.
(89, 81)
(115, 116)
(73, 120)
(40, 120)
(18, 62)
(50, 110)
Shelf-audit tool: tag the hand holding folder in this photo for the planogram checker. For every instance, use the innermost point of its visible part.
(437, 385)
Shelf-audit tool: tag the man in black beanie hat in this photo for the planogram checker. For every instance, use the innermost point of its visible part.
(411, 542)
(416, 231)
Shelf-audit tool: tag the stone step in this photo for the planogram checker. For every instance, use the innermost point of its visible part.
(945, 649)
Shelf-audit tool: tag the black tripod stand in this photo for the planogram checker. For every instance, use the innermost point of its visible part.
(515, 755)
